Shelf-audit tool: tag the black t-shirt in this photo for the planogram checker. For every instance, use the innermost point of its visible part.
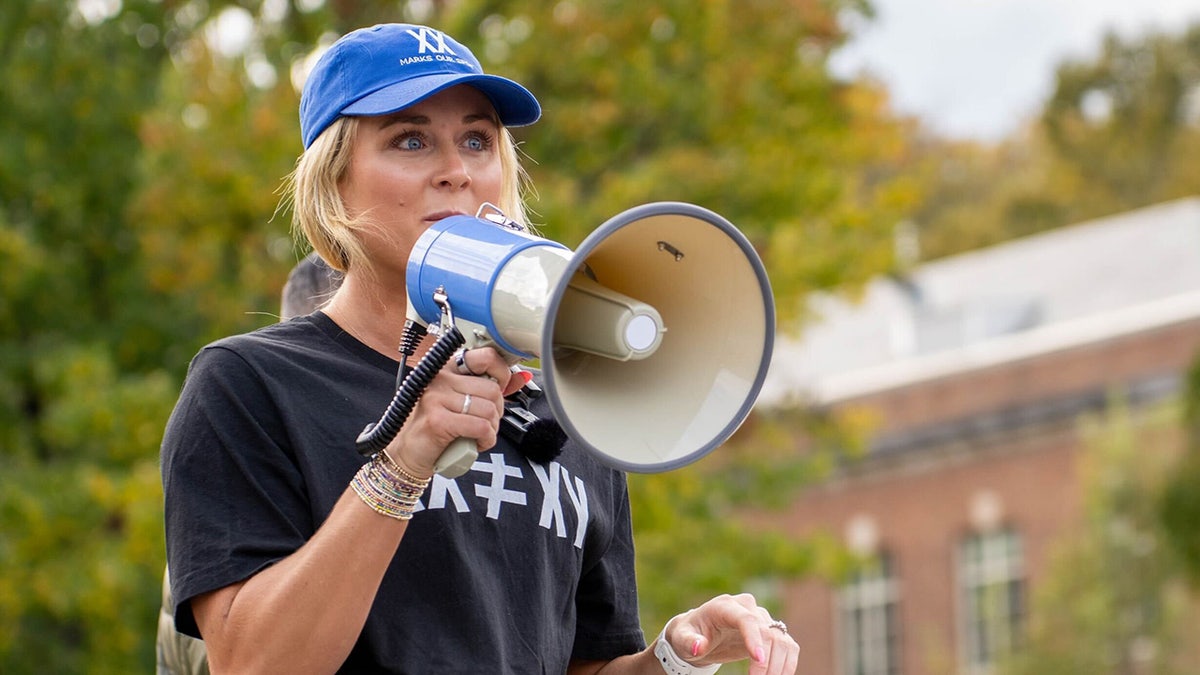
(514, 567)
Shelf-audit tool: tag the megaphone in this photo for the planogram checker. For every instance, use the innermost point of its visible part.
(654, 335)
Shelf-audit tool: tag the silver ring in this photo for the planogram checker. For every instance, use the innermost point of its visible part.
(460, 362)
(467, 408)
(779, 625)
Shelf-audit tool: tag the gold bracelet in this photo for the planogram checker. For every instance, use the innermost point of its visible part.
(388, 490)
(391, 463)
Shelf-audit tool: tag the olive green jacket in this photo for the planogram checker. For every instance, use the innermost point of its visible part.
(178, 654)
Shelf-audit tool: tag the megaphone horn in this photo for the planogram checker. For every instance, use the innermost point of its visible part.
(654, 335)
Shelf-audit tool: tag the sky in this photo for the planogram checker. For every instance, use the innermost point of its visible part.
(976, 69)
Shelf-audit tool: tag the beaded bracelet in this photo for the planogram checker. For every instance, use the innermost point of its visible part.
(387, 488)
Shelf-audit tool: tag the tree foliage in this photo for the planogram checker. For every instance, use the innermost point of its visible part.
(1179, 507)
(1129, 122)
(1113, 600)
(83, 402)
(1120, 131)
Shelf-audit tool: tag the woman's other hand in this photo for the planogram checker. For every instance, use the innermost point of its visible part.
(731, 628)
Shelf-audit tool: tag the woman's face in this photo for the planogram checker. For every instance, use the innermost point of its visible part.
(412, 168)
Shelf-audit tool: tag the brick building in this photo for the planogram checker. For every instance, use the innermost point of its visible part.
(977, 368)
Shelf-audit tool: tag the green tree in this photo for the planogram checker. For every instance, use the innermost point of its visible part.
(1120, 131)
(980, 195)
(1113, 600)
(82, 404)
(1179, 508)
(1127, 121)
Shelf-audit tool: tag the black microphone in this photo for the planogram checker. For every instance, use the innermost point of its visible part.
(539, 440)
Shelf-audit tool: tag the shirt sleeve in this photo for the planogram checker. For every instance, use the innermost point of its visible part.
(607, 623)
(234, 498)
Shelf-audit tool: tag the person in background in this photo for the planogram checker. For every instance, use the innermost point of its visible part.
(290, 552)
(176, 653)
(308, 286)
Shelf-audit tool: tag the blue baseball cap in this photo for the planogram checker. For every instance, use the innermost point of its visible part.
(388, 67)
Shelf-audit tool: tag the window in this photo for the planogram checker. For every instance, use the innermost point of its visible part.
(992, 587)
(869, 621)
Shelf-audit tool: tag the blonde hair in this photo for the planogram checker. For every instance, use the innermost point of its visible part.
(320, 215)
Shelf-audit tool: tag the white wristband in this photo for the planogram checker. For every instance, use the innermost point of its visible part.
(671, 662)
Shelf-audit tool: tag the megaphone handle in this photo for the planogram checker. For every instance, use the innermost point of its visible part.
(460, 455)
(457, 458)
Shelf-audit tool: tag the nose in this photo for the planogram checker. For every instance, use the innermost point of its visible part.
(452, 172)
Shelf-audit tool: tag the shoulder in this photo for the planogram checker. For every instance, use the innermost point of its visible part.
(281, 341)
(297, 332)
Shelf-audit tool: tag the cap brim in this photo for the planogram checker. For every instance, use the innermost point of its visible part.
(514, 104)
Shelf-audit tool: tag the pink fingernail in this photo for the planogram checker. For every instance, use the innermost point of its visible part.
(759, 656)
(696, 648)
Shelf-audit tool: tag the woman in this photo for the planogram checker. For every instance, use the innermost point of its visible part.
(287, 552)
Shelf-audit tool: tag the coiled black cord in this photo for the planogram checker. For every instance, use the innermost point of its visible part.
(376, 436)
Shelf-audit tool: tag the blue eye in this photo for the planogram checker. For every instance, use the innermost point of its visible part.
(478, 141)
(408, 141)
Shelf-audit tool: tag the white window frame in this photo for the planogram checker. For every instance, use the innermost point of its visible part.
(868, 616)
(991, 597)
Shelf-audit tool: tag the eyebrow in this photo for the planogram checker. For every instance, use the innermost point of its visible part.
(401, 118)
